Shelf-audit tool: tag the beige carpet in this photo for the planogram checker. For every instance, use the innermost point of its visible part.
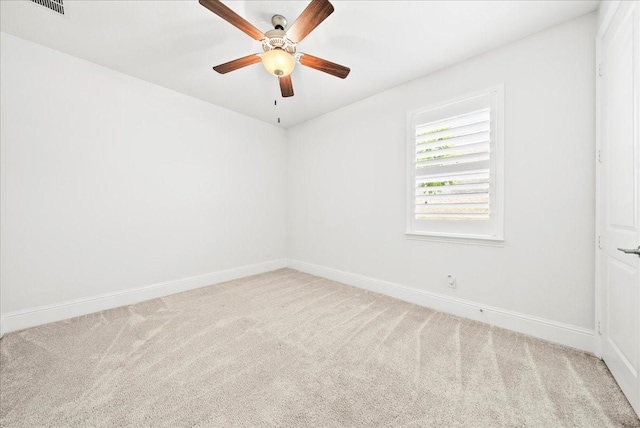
(289, 349)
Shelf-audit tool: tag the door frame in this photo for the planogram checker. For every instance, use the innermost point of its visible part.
(599, 286)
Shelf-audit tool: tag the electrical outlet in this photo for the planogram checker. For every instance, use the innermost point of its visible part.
(451, 281)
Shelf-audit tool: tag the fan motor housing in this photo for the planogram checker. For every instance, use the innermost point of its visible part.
(278, 39)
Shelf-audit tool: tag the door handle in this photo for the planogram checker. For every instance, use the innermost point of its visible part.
(635, 251)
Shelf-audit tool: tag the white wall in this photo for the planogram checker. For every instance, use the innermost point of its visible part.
(347, 183)
(111, 183)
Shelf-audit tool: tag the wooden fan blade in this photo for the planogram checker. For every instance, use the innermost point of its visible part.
(324, 65)
(232, 18)
(286, 86)
(316, 12)
(237, 63)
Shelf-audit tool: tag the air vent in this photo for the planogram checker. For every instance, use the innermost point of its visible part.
(54, 5)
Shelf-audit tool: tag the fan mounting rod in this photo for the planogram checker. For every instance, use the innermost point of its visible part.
(279, 22)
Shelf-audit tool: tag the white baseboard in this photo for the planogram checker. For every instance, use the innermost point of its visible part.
(32, 317)
(564, 334)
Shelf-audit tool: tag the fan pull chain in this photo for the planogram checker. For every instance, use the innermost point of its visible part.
(275, 99)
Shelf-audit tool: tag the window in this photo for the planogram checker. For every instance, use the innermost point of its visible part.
(455, 169)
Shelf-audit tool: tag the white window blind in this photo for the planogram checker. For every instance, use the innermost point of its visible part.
(455, 166)
(443, 191)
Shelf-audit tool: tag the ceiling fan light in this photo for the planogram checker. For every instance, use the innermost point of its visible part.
(278, 62)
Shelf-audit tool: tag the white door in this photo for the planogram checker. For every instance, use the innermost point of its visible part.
(619, 201)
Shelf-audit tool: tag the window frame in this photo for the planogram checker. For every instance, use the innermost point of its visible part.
(496, 236)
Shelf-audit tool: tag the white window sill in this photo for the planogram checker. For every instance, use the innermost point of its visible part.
(457, 239)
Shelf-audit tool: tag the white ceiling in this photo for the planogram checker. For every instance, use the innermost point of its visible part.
(175, 44)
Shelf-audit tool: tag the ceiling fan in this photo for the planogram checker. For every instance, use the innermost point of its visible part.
(279, 45)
